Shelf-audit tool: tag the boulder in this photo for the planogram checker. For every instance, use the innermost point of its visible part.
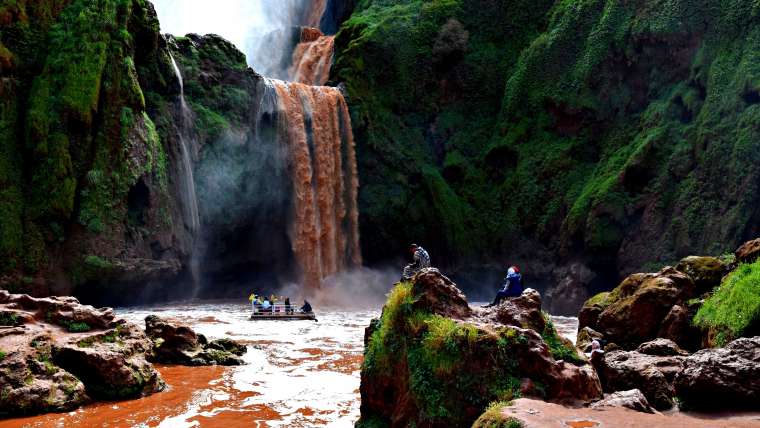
(585, 336)
(652, 375)
(678, 327)
(632, 399)
(706, 272)
(589, 314)
(432, 360)
(523, 311)
(439, 295)
(640, 304)
(722, 378)
(174, 344)
(61, 354)
(748, 252)
(661, 348)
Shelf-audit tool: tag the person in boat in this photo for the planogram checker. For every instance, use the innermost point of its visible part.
(421, 261)
(253, 299)
(511, 287)
(306, 308)
(288, 308)
(266, 306)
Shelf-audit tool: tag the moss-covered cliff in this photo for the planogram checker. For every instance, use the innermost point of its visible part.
(611, 131)
(86, 181)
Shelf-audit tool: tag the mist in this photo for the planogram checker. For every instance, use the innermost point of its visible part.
(261, 29)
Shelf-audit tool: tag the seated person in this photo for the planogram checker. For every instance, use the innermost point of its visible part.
(306, 308)
(266, 306)
(512, 286)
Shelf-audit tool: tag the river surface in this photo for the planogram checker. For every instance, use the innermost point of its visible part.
(298, 374)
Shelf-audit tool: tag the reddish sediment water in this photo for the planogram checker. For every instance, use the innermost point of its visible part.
(298, 374)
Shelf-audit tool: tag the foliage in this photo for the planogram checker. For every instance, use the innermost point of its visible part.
(78, 327)
(570, 151)
(8, 318)
(2, 355)
(493, 417)
(560, 348)
(733, 310)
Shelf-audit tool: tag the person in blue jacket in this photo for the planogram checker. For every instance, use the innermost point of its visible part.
(512, 286)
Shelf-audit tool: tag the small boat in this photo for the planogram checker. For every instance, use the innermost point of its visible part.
(282, 313)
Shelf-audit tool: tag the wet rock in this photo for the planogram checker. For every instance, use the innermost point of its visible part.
(425, 368)
(635, 310)
(632, 399)
(722, 378)
(589, 314)
(523, 311)
(585, 336)
(568, 296)
(174, 344)
(439, 295)
(678, 327)
(706, 272)
(661, 348)
(652, 375)
(748, 252)
(62, 354)
(111, 364)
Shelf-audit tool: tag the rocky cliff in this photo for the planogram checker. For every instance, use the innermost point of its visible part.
(607, 133)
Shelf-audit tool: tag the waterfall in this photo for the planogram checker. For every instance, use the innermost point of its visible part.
(316, 127)
(309, 122)
(187, 181)
(312, 58)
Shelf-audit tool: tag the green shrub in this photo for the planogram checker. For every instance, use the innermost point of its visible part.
(2, 355)
(8, 318)
(559, 348)
(493, 417)
(79, 327)
(733, 310)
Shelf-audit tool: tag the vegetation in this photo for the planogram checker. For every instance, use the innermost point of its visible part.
(560, 348)
(78, 327)
(8, 319)
(733, 310)
(493, 417)
(527, 130)
(452, 366)
(2, 355)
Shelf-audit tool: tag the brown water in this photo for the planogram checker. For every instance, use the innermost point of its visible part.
(298, 374)
(312, 58)
(317, 130)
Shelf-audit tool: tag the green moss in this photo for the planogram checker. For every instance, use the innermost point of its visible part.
(560, 348)
(733, 310)
(79, 327)
(493, 417)
(2, 355)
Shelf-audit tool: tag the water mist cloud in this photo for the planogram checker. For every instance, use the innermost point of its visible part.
(259, 28)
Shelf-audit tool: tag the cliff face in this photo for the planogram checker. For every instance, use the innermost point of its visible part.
(87, 182)
(605, 132)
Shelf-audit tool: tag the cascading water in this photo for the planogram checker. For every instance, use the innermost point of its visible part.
(312, 124)
(187, 181)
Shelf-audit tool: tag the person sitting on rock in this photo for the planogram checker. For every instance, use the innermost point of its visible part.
(306, 308)
(512, 286)
(421, 261)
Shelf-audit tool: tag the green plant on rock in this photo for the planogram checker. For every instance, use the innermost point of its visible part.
(78, 327)
(493, 417)
(560, 348)
(2, 355)
(733, 310)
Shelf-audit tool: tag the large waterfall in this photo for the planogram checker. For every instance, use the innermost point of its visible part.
(310, 121)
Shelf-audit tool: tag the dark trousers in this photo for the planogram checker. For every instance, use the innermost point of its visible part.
(501, 295)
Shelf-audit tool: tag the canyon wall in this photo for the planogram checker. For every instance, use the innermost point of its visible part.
(592, 137)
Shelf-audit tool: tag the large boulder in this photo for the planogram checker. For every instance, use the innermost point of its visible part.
(523, 311)
(661, 348)
(748, 252)
(652, 375)
(432, 360)
(438, 294)
(706, 272)
(722, 378)
(634, 312)
(632, 399)
(173, 344)
(61, 354)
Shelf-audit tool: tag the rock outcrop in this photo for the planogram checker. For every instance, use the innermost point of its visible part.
(632, 399)
(748, 252)
(432, 360)
(652, 375)
(722, 378)
(181, 345)
(58, 354)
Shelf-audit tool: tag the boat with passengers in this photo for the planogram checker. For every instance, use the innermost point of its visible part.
(279, 312)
